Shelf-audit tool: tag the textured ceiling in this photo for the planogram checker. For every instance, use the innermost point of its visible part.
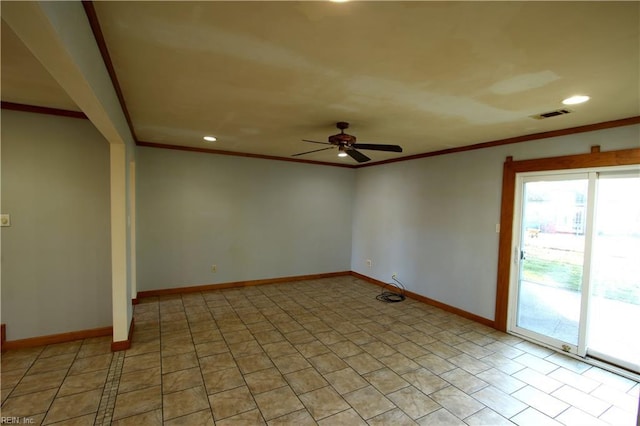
(428, 76)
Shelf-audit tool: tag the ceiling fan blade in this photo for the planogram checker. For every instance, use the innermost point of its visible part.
(378, 147)
(323, 143)
(357, 155)
(309, 152)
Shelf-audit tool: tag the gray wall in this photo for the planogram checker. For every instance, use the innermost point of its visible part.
(253, 218)
(56, 262)
(432, 221)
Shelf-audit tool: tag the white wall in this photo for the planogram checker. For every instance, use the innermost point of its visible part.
(253, 218)
(432, 220)
(56, 261)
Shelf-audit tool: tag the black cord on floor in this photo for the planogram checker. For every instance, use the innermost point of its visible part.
(394, 294)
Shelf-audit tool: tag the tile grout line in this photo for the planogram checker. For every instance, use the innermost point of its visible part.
(13, 388)
(239, 308)
(204, 385)
(109, 393)
(235, 358)
(75, 357)
(307, 309)
(162, 366)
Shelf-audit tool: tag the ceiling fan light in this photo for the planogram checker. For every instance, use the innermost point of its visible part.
(341, 152)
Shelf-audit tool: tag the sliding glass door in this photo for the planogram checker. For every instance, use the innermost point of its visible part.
(615, 272)
(576, 284)
(550, 259)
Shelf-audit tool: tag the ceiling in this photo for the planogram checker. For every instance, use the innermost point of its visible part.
(429, 76)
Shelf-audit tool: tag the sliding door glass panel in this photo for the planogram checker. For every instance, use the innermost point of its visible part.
(551, 258)
(615, 272)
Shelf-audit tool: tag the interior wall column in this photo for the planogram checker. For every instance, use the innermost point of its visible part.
(117, 154)
(60, 37)
(132, 230)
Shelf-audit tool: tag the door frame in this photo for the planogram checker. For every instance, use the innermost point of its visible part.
(595, 158)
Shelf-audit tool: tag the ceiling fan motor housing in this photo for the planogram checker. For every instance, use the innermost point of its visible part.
(342, 139)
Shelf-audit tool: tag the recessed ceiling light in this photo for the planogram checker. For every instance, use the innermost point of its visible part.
(577, 99)
(338, 1)
(210, 138)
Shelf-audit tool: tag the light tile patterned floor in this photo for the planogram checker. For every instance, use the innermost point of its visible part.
(312, 352)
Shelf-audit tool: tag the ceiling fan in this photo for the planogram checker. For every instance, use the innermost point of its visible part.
(347, 145)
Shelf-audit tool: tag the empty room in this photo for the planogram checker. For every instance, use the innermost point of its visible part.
(320, 213)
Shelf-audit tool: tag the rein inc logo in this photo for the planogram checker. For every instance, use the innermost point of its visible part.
(16, 420)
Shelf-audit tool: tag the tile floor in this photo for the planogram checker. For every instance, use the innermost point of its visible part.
(313, 352)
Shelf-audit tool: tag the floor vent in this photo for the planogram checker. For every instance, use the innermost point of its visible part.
(551, 114)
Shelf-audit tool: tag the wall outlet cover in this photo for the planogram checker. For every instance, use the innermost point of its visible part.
(5, 220)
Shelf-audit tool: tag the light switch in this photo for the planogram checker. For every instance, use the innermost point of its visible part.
(5, 220)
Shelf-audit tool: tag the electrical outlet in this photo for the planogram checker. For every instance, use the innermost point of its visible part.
(368, 262)
(214, 268)
(5, 220)
(394, 276)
